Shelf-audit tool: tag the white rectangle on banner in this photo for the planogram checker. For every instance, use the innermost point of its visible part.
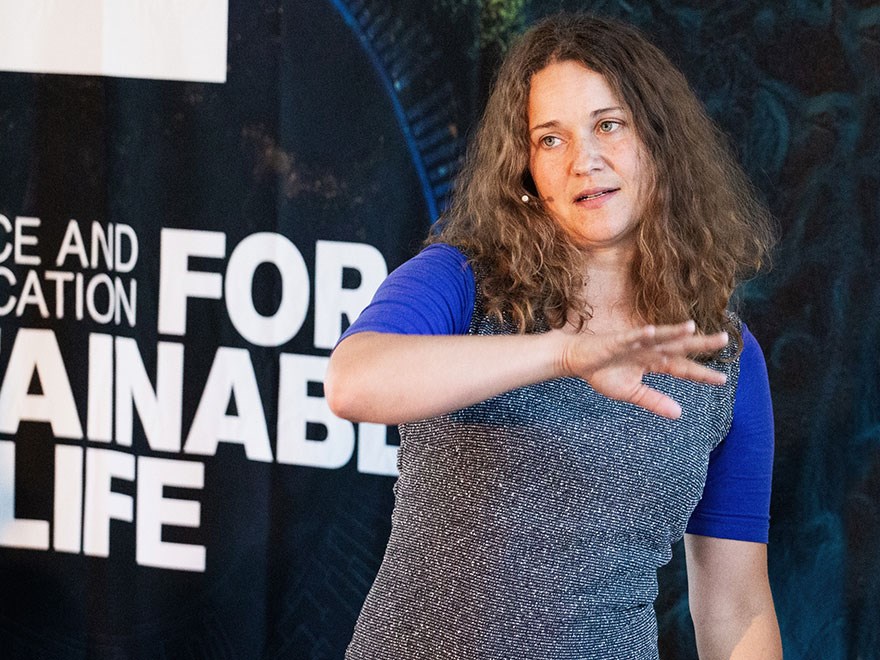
(159, 39)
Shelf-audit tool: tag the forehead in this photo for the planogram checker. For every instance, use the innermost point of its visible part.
(568, 88)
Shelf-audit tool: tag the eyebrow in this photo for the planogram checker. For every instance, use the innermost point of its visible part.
(595, 113)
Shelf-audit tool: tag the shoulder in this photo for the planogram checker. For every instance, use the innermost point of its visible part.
(752, 356)
(430, 294)
(753, 386)
(440, 258)
(440, 273)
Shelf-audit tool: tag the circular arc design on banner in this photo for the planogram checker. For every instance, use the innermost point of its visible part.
(421, 114)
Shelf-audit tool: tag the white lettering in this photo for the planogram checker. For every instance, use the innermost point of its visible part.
(99, 424)
(159, 410)
(32, 294)
(91, 294)
(283, 325)
(16, 532)
(125, 265)
(126, 302)
(332, 301)
(36, 351)
(154, 511)
(232, 375)
(72, 244)
(22, 239)
(10, 302)
(60, 277)
(102, 242)
(7, 249)
(67, 516)
(177, 282)
(102, 504)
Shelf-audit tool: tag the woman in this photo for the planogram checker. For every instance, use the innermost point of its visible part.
(557, 431)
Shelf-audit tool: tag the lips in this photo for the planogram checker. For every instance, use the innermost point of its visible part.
(594, 193)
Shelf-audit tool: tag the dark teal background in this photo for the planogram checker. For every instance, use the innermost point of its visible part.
(343, 120)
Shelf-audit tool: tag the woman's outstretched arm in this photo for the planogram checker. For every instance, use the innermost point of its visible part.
(391, 378)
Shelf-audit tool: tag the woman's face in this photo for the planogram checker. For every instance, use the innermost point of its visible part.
(588, 164)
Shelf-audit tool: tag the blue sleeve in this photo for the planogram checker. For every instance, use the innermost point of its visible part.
(736, 499)
(431, 294)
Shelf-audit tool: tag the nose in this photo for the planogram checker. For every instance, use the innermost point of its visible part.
(588, 156)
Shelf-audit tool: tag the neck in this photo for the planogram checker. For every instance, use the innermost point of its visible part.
(608, 289)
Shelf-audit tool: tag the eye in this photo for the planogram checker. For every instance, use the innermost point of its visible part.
(608, 126)
(550, 141)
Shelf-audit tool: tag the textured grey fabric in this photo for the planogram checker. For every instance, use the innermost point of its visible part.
(532, 525)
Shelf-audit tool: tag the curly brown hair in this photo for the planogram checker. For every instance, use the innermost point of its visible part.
(702, 229)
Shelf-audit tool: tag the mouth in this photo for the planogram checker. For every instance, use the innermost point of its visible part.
(594, 193)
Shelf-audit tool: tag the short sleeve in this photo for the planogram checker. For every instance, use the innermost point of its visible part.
(431, 294)
(736, 499)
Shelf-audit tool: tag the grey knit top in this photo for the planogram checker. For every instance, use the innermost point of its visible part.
(531, 526)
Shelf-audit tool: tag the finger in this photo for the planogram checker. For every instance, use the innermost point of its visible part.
(681, 367)
(662, 334)
(664, 357)
(668, 332)
(637, 337)
(655, 402)
(695, 344)
(648, 335)
(653, 334)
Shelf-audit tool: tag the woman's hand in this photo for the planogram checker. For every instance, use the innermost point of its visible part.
(614, 364)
